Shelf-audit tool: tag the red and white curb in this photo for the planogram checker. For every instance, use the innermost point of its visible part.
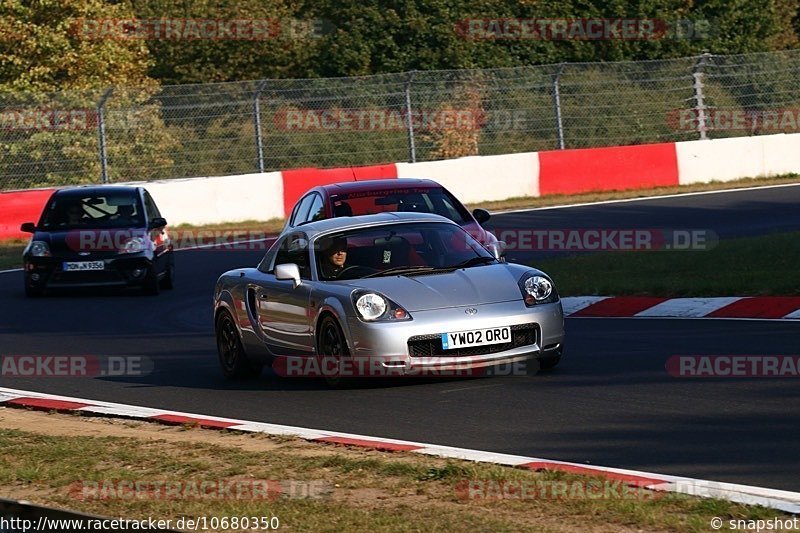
(756, 307)
(749, 495)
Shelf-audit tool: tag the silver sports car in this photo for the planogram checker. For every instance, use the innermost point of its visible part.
(384, 294)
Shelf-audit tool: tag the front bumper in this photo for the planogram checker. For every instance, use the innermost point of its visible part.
(389, 341)
(119, 270)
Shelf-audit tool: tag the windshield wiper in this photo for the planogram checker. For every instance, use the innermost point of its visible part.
(480, 260)
(398, 270)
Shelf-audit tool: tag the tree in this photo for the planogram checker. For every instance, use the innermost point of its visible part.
(55, 64)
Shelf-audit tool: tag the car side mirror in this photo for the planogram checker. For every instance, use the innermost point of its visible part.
(481, 215)
(158, 222)
(28, 227)
(288, 271)
(498, 249)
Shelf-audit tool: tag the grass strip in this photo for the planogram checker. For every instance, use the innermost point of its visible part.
(368, 490)
(749, 266)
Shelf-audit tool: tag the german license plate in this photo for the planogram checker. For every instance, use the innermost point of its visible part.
(83, 265)
(476, 337)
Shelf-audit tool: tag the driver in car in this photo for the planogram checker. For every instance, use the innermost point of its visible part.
(334, 258)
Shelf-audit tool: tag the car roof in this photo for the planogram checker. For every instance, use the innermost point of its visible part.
(312, 229)
(377, 185)
(96, 189)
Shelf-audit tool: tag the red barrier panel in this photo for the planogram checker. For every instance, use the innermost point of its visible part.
(19, 207)
(606, 169)
(298, 181)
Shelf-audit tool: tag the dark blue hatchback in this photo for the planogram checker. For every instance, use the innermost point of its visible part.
(99, 236)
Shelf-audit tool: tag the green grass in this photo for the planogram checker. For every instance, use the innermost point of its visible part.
(11, 254)
(370, 490)
(751, 266)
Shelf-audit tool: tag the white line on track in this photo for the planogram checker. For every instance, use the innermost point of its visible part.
(704, 318)
(644, 198)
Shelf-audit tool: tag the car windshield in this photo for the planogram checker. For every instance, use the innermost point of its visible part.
(93, 210)
(397, 249)
(402, 199)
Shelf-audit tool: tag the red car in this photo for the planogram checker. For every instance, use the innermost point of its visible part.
(355, 198)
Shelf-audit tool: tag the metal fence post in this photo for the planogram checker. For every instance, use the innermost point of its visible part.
(101, 132)
(557, 106)
(412, 149)
(257, 125)
(699, 99)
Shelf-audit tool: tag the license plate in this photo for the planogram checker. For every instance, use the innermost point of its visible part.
(475, 337)
(84, 265)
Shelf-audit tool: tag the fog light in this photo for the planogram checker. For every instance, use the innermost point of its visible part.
(137, 272)
(34, 277)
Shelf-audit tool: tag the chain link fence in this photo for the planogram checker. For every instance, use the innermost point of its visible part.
(131, 134)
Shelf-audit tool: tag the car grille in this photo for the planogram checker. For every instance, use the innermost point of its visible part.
(431, 345)
(96, 276)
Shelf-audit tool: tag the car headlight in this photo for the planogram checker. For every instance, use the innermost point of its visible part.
(372, 306)
(537, 289)
(133, 245)
(39, 249)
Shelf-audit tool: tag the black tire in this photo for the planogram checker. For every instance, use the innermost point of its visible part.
(168, 281)
(232, 357)
(151, 285)
(33, 292)
(550, 362)
(331, 343)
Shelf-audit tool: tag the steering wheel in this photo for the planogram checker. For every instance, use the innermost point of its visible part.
(351, 268)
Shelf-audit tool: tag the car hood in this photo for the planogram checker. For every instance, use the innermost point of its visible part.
(469, 286)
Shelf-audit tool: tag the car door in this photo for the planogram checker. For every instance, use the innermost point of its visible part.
(158, 236)
(281, 308)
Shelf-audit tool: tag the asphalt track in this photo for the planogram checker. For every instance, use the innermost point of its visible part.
(611, 402)
(721, 215)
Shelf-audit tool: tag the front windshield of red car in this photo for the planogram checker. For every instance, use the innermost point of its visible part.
(401, 199)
